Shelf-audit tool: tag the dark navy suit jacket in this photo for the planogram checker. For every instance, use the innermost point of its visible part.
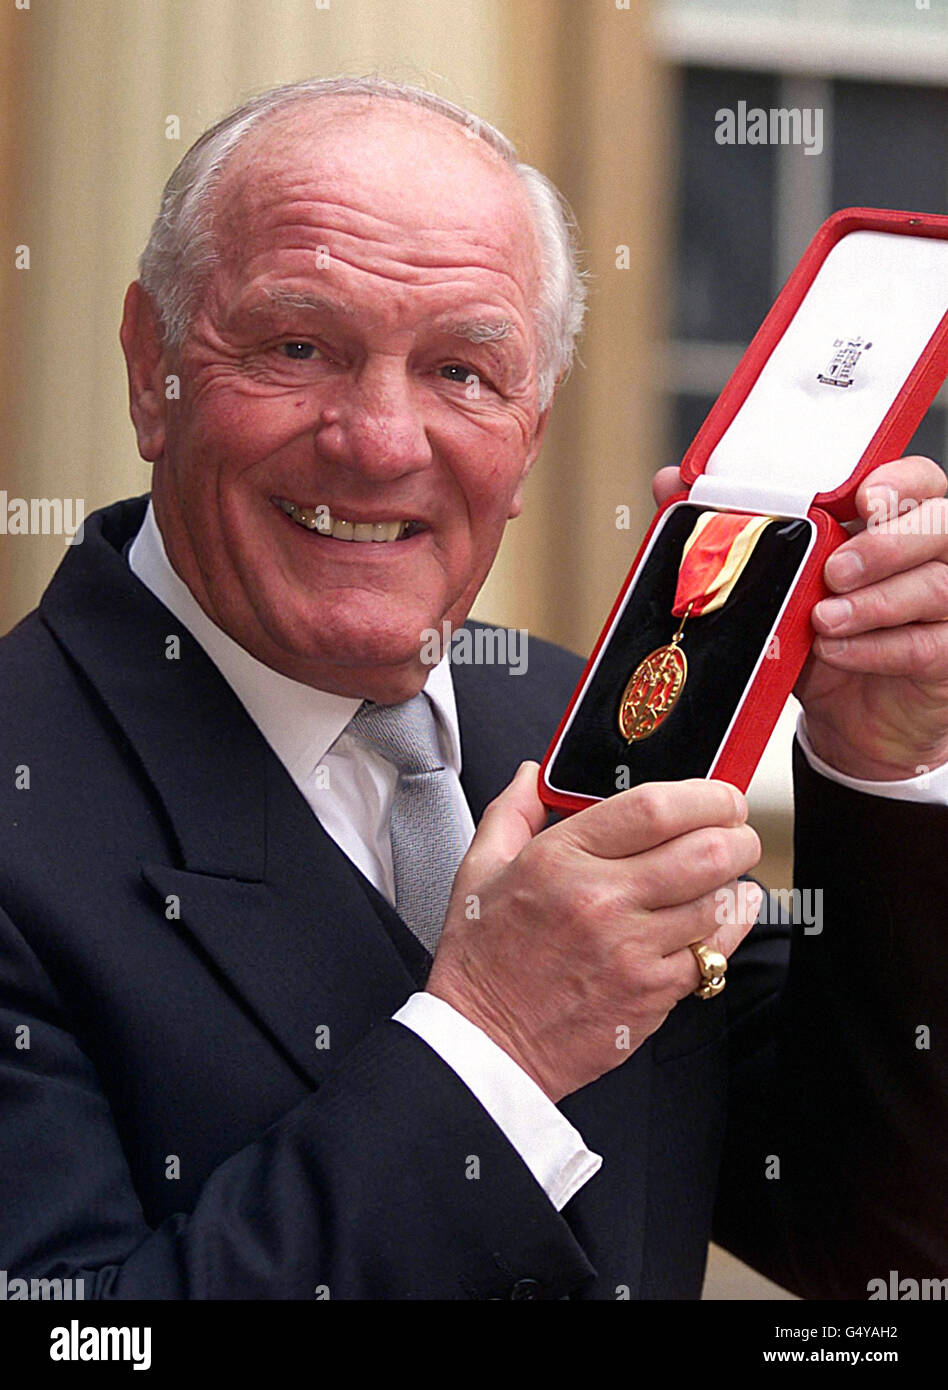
(175, 926)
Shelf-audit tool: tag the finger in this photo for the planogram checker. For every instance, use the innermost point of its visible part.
(509, 823)
(888, 547)
(646, 816)
(697, 864)
(918, 595)
(680, 970)
(670, 929)
(912, 478)
(918, 650)
(665, 483)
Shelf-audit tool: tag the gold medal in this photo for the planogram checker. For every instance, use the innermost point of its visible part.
(713, 559)
(653, 689)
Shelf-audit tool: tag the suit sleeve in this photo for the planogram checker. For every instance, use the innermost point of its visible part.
(365, 1190)
(836, 1168)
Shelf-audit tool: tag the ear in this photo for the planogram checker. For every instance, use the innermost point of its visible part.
(142, 343)
(516, 502)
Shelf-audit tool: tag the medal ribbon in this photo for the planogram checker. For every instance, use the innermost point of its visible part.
(714, 558)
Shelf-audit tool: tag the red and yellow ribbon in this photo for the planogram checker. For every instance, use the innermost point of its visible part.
(713, 559)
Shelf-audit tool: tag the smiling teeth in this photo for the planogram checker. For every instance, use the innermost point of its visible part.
(322, 520)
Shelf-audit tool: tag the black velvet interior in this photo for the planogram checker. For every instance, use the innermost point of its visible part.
(722, 649)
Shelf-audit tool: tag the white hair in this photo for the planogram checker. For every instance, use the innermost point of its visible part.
(181, 249)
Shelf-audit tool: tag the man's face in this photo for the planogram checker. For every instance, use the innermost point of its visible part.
(334, 364)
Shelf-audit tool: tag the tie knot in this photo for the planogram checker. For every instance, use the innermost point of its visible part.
(406, 734)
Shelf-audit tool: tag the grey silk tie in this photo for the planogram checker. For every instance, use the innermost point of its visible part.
(427, 841)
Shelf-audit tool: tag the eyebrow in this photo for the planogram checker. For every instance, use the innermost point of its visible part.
(474, 330)
(299, 299)
(478, 330)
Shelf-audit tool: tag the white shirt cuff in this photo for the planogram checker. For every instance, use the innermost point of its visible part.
(930, 786)
(546, 1141)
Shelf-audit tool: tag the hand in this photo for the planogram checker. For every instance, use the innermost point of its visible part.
(584, 927)
(875, 686)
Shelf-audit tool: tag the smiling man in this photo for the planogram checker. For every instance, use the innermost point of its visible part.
(282, 1023)
(359, 383)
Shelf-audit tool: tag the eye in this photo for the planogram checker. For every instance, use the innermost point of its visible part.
(299, 352)
(462, 373)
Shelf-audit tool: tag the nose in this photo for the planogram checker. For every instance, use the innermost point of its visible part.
(375, 424)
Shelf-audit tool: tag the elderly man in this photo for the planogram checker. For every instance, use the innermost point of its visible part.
(236, 797)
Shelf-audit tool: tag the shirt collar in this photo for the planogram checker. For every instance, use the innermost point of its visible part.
(299, 722)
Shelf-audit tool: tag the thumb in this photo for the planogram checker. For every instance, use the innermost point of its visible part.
(665, 483)
(509, 823)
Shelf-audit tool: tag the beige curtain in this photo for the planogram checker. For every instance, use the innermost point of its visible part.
(90, 93)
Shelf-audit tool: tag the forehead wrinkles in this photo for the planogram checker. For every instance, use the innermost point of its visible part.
(418, 196)
(423, 257)
(381, 148)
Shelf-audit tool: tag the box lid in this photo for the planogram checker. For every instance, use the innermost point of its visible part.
(839, 374)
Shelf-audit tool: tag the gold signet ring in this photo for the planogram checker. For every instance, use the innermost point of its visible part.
(713, 967)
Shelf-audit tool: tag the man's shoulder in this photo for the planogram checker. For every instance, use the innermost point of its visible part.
(89, 570)
(42, 685)
(32, 668)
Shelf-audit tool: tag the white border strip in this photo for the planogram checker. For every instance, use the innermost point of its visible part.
(764, 43)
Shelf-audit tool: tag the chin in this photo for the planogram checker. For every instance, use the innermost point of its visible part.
(357, 641)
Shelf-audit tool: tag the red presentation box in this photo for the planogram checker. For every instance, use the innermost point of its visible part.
(833, 384)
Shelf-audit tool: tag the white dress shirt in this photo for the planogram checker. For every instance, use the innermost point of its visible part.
(929, 785)
(306, 730)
